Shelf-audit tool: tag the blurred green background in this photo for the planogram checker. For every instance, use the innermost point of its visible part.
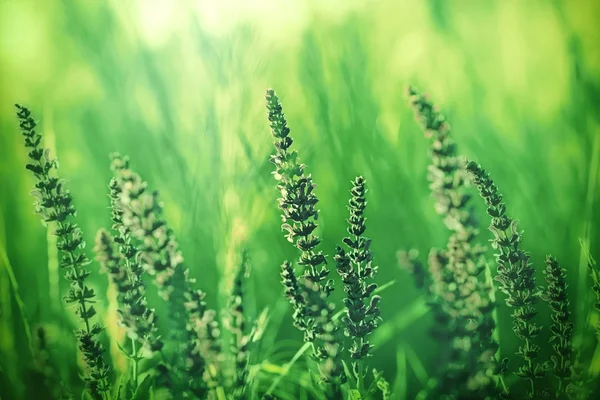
(179, 85)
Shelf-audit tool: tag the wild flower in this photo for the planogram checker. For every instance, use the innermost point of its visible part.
(294, 295)
(464, 298)
(410, 262)
(328, 351)
(237, 324)
(162, 259)
(54, 204)
(594, 273)
(126, 273)
(445, 174)
(208, 345)
(356, 269)
(192, 362)
(516, 276)
(298, 199)
(307, 293)
(137, 317)
(582, 383)
(562, 327)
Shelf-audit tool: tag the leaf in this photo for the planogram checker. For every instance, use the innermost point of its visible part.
(383, 385)
(381, 288)
(377, 375)
(125, 352)
(120, 394)
(349, 374)
(355, 394)
(287, 367)
(143, 389)
(85, 395)
(220, 391)
(159, 394)
(260, 325)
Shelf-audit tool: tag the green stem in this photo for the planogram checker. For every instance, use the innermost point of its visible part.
(86, 321)
(82, 302)
(560, 387)
(288, 366)
(503, 384)
(531, 380)
(495, 333)
(53, 261)
(17, 296)
(134, 349)
(136, 359)
(220, 392)
(360, 364)
(527, 344)
(360, 378)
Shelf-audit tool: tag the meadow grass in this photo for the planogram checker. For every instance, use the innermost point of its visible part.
(182, 96)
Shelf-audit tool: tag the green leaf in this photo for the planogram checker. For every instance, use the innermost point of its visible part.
(386, 285)
(287, 367)
(375, 383)
(383, 385)
(120, 395)
(124, 351)
(143, 390)
(85, 395)
(159, 394)
(220, 391)
(349, 374)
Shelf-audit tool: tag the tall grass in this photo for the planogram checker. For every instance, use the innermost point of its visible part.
(181, 95)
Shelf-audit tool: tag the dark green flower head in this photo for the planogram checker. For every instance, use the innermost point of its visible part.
(327, 335)
(54, 204)
(135, 316)
(515, 274)
(298, 200)
(193, 328)
(562, 327)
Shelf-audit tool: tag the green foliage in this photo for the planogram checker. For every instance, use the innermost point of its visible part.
(55, 205)
(176, 87)
(516, 276)
(45, 373)
(459, 294)
(562, 328)
(127, 273)
(595, 274)
(313, 313)
(192, 363)
(192, 328)
(298, 199)
(356, 269)
(237, 325)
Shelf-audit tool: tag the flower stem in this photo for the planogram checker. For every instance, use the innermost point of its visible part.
(134, 366)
